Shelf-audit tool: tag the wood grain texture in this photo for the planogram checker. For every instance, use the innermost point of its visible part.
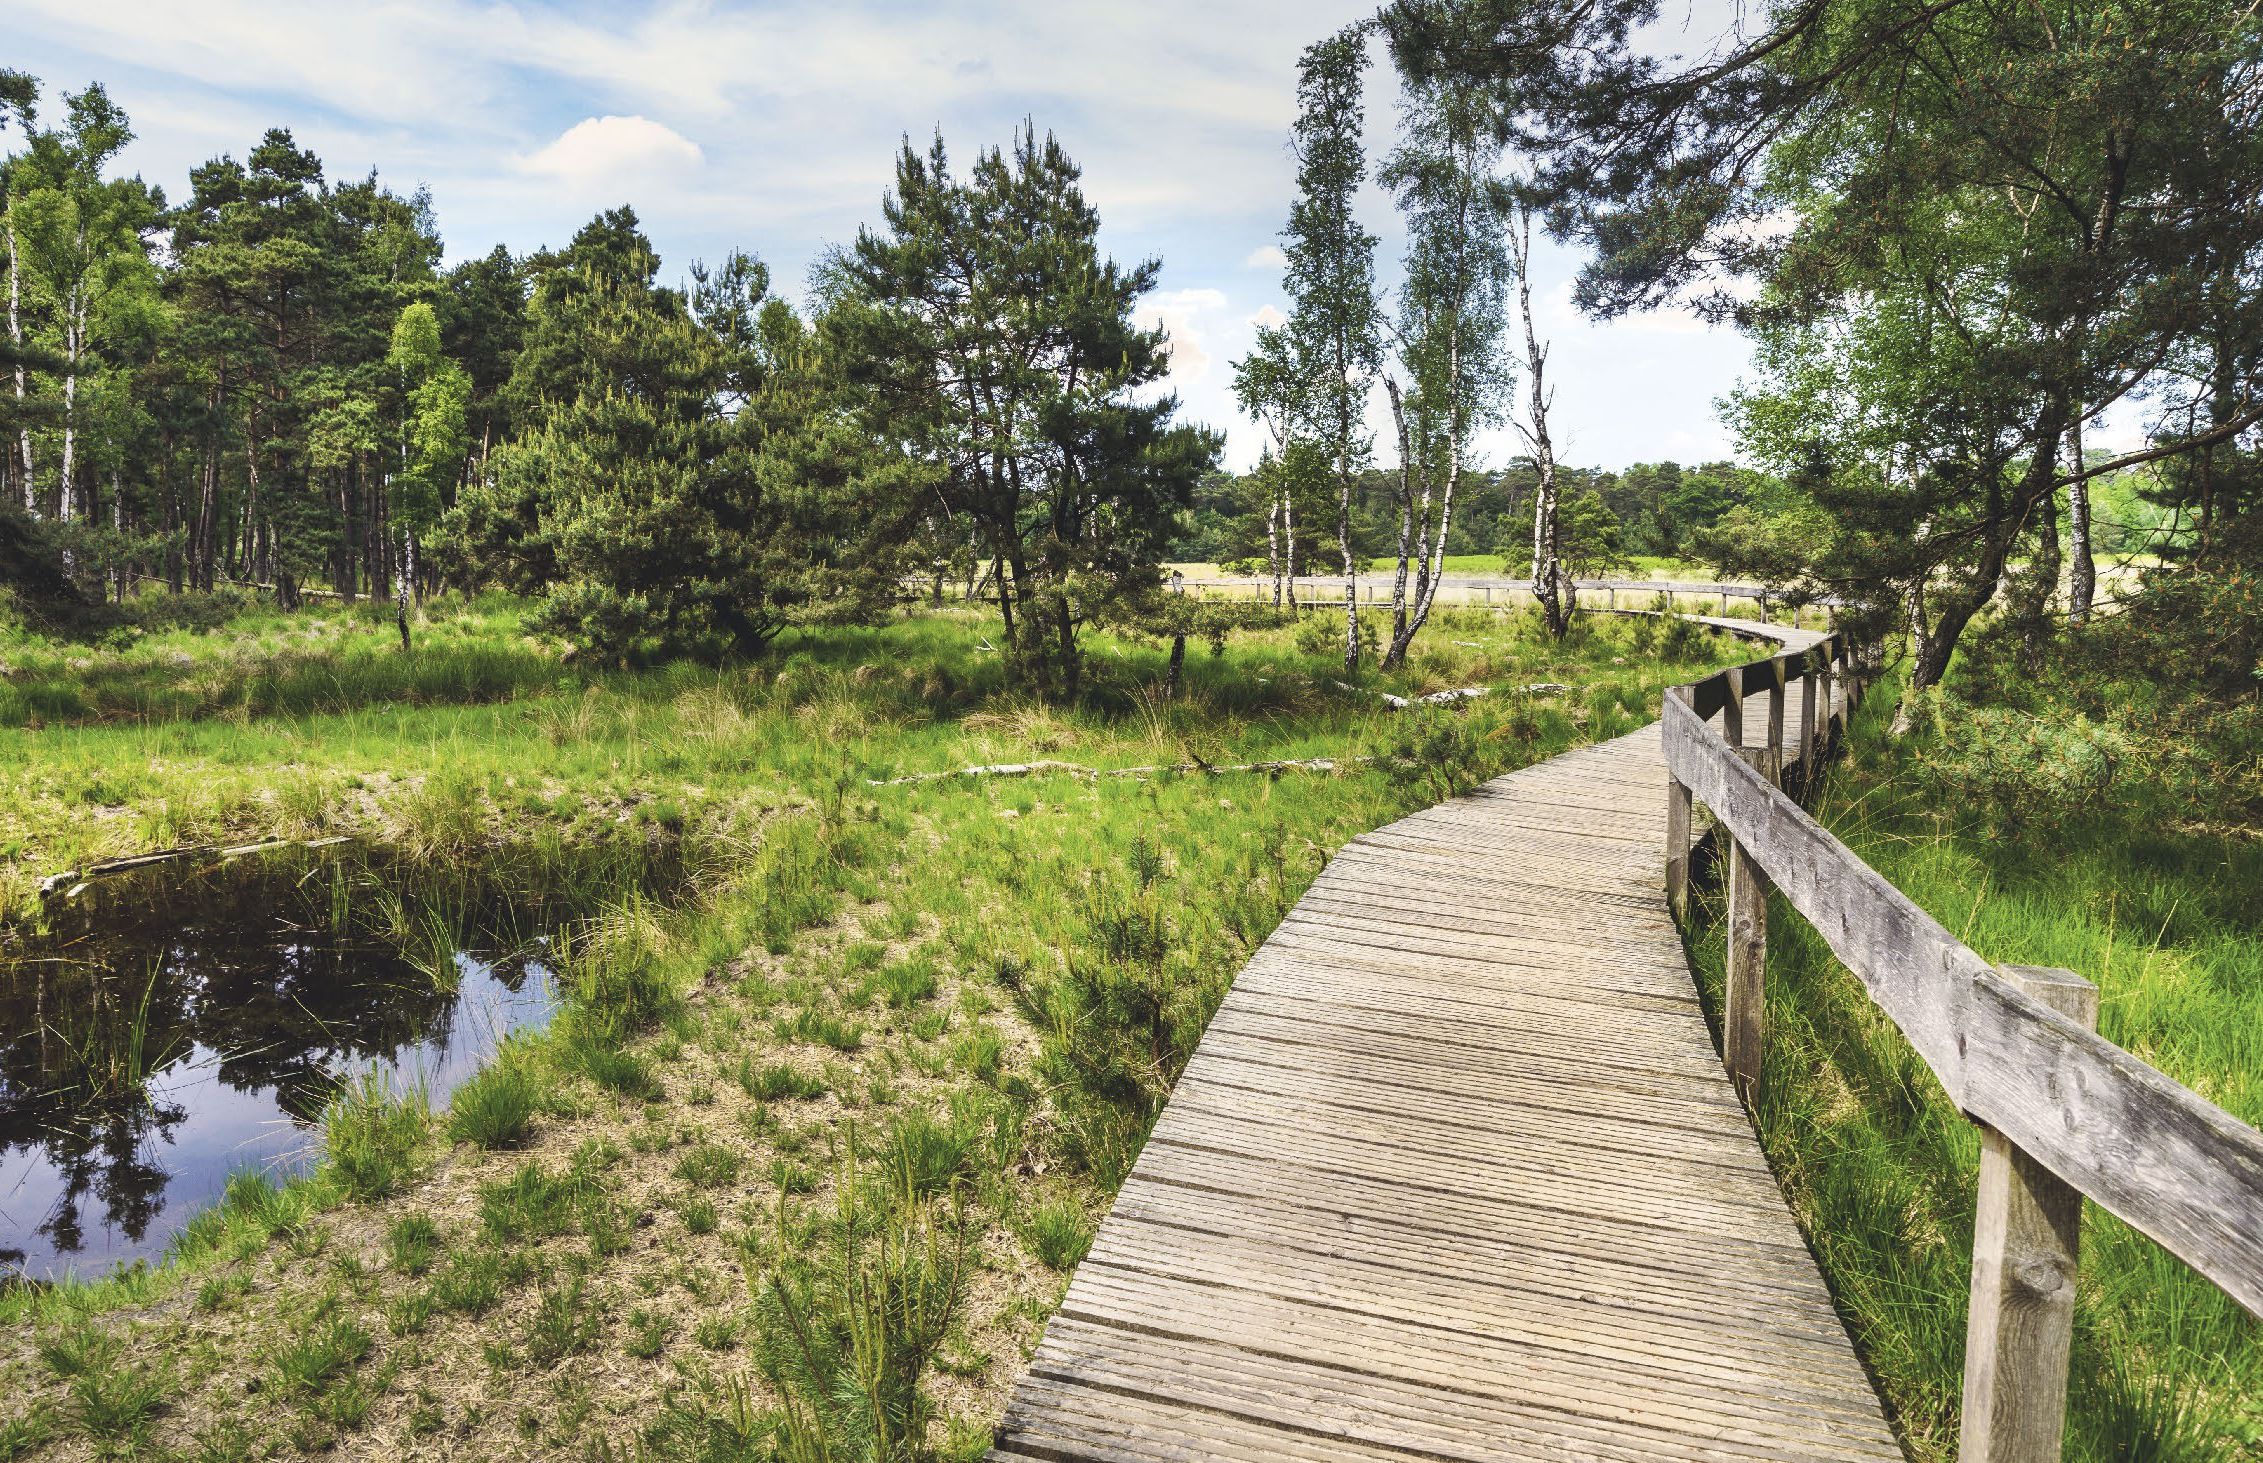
(2154, 1153)
(2026, 1252)
(1456, 1173)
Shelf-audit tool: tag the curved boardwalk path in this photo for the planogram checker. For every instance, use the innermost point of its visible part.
(1456, 1174)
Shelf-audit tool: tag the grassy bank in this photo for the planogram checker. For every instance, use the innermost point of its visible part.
(1880, 1167)
(804, 1162)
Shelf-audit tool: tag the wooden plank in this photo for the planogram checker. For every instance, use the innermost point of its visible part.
(2170, 1163)
(1455, 1173)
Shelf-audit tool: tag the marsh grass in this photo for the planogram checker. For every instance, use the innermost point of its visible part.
(882, 1058)
(496, 1107)
(373, 1134)
(1880, 1166)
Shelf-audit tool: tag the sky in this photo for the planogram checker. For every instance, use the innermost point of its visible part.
(773, 127)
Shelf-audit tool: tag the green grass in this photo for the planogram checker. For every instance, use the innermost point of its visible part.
(374, 1135)
(496, 1107)
(1880, 1166)
(887, 1039)
(1059, 1232)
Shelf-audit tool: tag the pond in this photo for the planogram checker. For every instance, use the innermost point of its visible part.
(180, 1024)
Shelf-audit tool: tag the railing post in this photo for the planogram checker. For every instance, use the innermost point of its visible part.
(1732, 714)
(1744, 1026)
(1677, 834)
(1807, 733)
(2026, 1244)
(1776, 720)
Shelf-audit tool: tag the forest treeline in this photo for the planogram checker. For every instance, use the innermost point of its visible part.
(274, 383)
(1966, 240)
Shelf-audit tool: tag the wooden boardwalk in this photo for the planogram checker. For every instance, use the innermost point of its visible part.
(1456, 1174)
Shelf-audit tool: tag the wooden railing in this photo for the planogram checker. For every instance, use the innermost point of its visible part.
(2064, 1114)
(1467, 589)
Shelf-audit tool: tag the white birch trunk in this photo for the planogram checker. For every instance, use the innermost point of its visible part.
(1273, 543)
(1547, 526)
(16, 337)
(1406, 523)
(1289, 543)
(74, 341)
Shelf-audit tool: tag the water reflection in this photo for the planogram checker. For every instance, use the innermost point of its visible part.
(188, 1024)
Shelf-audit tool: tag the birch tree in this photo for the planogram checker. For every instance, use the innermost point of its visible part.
(1271, 387)
(1335, 321)
(19, 98)
(1547, 497)
(1449, 329)
(78, 237)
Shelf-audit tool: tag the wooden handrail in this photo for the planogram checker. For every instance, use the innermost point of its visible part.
(2066, 1114)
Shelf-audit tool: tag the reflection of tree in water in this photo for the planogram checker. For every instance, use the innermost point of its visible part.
(108, 1155)
(245, 966)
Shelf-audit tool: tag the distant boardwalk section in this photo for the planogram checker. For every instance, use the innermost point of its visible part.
(1456, 1174)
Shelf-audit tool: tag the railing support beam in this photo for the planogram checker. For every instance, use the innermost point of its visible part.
(1776, 720)
(1808, 752)
(1677, 835)
(2026, 1247)
(1744, 1023)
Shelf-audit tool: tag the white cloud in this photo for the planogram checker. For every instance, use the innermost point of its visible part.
(1268, 318)
(1186, 317)
(1266, 256)
(615, 149)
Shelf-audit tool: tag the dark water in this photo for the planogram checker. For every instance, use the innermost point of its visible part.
(249, 991)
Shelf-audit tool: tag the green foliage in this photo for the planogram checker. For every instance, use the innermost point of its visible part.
(413, 1243)
(495, 1108)
(997, 282)
(2017, 770)
(846, 1330)
(1059, 1233)
(373, 1134)
(658, 493)
(1434, 752)
(470, 1283)
(1880, 1165)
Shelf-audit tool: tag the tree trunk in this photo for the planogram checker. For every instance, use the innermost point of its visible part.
(1273, 541)
(2082, 586)
(1178, 664)
(16, 338)
(401, 589)
(1934, 645)
(1547, 525)
(1289, 543)
(170, 487)
(208, 512)
(1351, 569)
(74, 333)
(251, 493)
(118, 534)
(1397, 650)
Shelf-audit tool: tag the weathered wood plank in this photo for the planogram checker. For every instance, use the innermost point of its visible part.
(2026, 1251)
(2159, 1156)
(1456, 1173)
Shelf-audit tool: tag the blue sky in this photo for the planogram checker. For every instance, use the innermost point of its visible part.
(773, 127)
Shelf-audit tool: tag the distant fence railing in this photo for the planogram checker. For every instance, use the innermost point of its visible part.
(1375, 589)
(2064, 1114)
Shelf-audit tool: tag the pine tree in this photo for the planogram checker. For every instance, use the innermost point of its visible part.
(985, 329)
